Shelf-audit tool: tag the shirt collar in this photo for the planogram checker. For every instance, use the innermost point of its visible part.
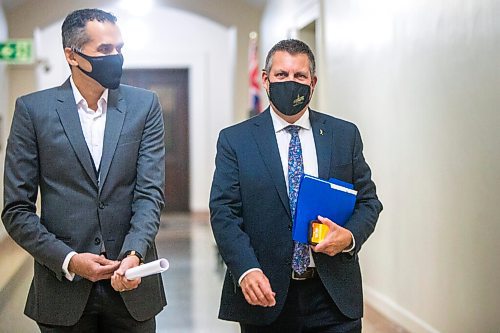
(79, 100)
(280, 123)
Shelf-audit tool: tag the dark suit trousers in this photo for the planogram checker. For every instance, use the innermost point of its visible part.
(104, 312)
(308, 308)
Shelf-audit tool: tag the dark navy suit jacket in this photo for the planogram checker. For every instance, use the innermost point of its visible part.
(250, 213)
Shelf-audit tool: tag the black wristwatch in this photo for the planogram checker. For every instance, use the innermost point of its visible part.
(134, 253)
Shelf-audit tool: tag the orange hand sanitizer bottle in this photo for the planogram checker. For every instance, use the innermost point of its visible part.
(317, 232)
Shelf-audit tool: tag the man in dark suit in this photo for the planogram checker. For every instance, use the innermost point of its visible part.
(273, 284)
(94, 149)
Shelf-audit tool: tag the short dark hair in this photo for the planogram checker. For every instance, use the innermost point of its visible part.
(293, 47)
(73, 30)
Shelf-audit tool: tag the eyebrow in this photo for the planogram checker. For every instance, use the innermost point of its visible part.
(282, 71)
(109, 45)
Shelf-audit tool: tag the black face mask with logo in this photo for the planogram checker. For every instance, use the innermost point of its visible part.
(289, 97)
(107, 70)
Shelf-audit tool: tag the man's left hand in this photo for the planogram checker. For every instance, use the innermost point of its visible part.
(119, 282)
(336, 240)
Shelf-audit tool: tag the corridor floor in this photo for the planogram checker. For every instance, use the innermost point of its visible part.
(192, 283)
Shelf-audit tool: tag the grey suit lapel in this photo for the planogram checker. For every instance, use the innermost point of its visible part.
(264, 135)
(68, 114)
(323, 139)
(114, 123)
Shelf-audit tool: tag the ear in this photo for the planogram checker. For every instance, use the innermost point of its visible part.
(313, 84)
(314, 81)
(265, 80)
(70, 56)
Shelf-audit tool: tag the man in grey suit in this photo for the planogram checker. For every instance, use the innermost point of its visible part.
(95, 150)
(273, 284)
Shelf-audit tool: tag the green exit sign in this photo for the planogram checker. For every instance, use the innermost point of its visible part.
(17, 51)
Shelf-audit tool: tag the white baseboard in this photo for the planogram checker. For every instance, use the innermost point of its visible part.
(396, 312)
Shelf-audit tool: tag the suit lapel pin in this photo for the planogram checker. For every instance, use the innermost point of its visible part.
(321, 132)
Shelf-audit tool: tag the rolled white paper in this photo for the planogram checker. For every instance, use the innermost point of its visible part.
(154, 267)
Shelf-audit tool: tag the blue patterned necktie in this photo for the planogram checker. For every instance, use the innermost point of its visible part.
(300, 260)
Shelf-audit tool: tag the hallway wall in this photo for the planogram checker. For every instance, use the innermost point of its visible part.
(4, 104)
(421, 79)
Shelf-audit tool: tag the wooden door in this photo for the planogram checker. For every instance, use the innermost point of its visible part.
(171, 85)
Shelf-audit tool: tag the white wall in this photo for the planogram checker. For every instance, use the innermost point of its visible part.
(421, 79)
(172, 38)
(4, 98)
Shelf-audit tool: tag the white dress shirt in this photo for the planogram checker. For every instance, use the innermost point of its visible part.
(309, 158)
(93, 124)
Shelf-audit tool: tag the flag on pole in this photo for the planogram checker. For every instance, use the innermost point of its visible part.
(253, 75)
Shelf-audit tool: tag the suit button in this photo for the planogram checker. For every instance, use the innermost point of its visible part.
(97, 241)
(290, 227)
(101, 205)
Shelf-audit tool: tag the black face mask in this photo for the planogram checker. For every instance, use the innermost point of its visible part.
(289, 97)
(107, 70)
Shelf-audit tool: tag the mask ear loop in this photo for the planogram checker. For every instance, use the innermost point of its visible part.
(76, 51)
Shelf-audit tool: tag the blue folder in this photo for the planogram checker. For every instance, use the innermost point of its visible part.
(333, 199)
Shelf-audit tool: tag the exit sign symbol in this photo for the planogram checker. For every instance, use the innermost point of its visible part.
(17, 51)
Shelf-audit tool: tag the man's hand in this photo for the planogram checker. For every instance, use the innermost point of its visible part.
(257, 289)
(119, 282)
(92, 267)
(336, 240)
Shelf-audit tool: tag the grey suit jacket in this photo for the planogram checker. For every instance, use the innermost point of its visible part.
(46, 150)
(251, 219)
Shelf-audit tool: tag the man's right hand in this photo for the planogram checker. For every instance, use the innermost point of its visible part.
(92, 267)
(257, 289)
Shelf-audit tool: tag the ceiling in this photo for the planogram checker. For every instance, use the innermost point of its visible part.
(11, 4)
(256, 3)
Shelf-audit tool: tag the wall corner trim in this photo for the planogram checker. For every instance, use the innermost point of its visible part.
(396, 313)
